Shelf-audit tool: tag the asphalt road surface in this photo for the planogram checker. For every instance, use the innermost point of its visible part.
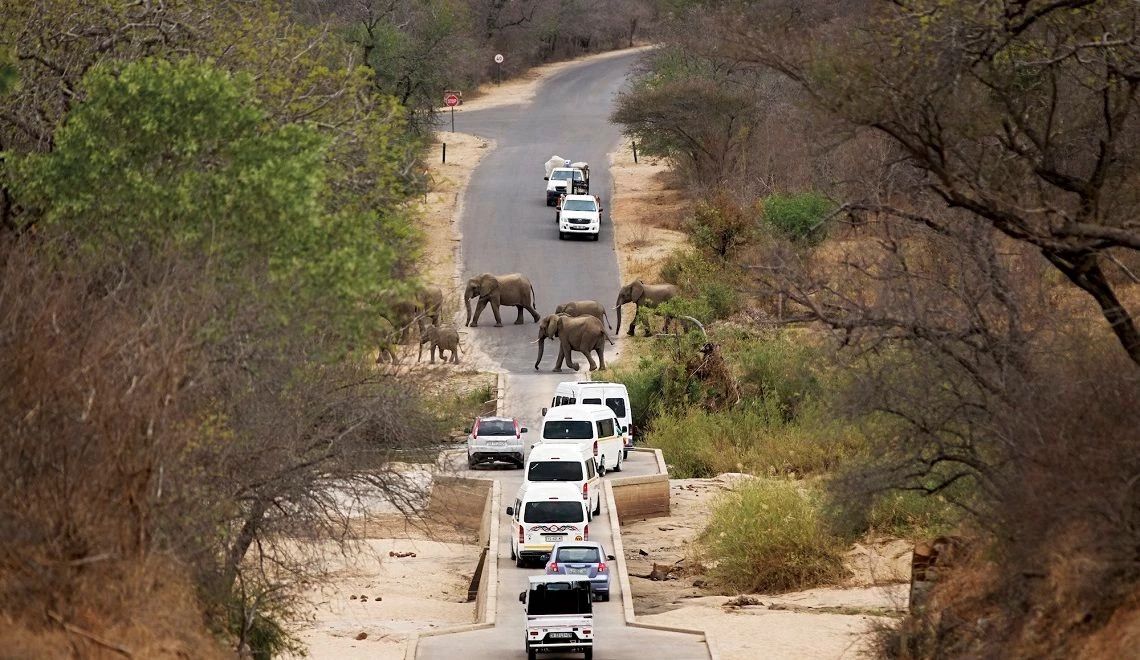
(508, 228)
(506, 225)
(525, 397)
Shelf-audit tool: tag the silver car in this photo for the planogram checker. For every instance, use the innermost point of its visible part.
(495, 439)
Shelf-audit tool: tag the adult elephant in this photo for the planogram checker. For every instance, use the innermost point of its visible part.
(584, 334)
(429, 303)
(512, 290)
(585, 308)
(648, 295)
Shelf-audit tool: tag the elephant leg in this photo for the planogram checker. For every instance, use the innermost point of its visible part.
(455, 355)
(668, 321)
(590, 359)
(633, 322)
(479, 310)
(558, 362)
(519, 319)
(569, 351)
(601, 356)
(495, 311)
(533, 312)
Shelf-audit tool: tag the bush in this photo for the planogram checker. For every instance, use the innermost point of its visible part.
(799, 217)
(753, 439)
(719, 226)
(706, 292)
(912, 514)
(767, 536)
(780, 371)
(644, 386)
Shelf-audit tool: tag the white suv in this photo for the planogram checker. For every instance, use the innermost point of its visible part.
(579, 214)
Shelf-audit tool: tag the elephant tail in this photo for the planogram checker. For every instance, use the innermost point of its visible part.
(606, 316)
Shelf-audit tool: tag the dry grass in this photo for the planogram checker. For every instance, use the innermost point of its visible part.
(647, 212)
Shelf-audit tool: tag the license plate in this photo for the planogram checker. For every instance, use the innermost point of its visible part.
(496, 443)
(553, 539)
(577, 571)
(560, 635)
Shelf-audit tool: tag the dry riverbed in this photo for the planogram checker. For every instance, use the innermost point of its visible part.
(830, 622)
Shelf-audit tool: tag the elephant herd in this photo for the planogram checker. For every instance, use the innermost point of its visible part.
(578, 326)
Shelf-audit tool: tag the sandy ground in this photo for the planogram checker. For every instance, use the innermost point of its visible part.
(647, 214)
(818, 623)
(376, 600)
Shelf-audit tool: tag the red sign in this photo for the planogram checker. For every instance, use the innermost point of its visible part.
(451, 100)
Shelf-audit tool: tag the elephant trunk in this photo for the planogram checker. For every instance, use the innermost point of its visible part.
(467, 305)
(541, 346)
(618, 308)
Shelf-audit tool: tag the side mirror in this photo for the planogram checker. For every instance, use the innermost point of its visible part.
(600, 209)
(625, 429)
(510, 511)
(524, 430)
(610, 557)
(522, 596)
(545, 178)
(544, 411)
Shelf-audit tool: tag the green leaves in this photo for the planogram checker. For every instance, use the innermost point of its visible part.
(178, 158)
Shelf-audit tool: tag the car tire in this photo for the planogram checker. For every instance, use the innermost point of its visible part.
(512, 551)
(531, 654)
(520, 562)
(561, 235)
(602, 466)
(595, 237)
(605, 598)
(598, 508)
(617, 468)
(588, 654)
(625, 454)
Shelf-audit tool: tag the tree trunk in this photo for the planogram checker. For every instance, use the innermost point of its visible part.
(1083, 269)
(244, 539)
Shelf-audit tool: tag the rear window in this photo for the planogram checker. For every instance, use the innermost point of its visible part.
(579, 555)
(606, 428)
(496, 427)
(554, 471)
(567, 429)
(617, 405)
(558, 599)
(554, 511)
(596, 402)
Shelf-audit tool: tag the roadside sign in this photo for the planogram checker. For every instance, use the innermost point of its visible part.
(498, 59)
(451, 100)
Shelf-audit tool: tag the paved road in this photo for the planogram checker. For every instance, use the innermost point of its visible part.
(526, 395)
(508, 228)
(506, 224)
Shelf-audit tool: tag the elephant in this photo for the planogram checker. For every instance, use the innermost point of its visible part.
(444, 338)
(425, 303)
(584, 307)
(584, 334)
(513, 290)
(387, 339)
(649, 295)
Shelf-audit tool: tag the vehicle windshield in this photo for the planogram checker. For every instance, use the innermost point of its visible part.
(554, 471)
(496, 427)
(554, 511)
(617, 405)
(556, 598)
(578, 555)
(567, 429)
(579, 205)
(567, 174)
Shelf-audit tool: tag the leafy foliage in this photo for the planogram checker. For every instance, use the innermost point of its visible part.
(798, 217)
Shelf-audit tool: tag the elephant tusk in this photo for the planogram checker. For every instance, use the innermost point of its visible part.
(536, 341)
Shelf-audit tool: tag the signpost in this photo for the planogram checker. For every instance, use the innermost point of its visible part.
(452, 100)
(498, 67)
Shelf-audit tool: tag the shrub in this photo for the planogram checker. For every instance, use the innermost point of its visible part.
(752, 439)
(706, 292)
(719, 226)
(780, 371)
(767, 536)
(798, 217)
(644, 386)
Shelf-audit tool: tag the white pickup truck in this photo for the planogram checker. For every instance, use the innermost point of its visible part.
(559, 615)
(578, 215)
(565, 178)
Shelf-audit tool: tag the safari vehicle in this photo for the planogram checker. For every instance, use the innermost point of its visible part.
(614, 396)
(544, 514)
(578, 215)
(559, 616)
(595, 428)
(566, 464)
(565, 178)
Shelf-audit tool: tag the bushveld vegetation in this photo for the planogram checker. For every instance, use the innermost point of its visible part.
(204, 209)
(942, 202)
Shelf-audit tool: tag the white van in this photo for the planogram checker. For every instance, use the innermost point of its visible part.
(566, 464)
(612, 395)
(544, 514)
(593, 427)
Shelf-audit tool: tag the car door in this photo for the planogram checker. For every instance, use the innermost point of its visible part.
(595, 483)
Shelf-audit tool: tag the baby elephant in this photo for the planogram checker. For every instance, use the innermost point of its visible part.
(445, 339)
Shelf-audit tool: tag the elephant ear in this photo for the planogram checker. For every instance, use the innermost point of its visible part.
(488, 284)
(555, 325)
(636, 290)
